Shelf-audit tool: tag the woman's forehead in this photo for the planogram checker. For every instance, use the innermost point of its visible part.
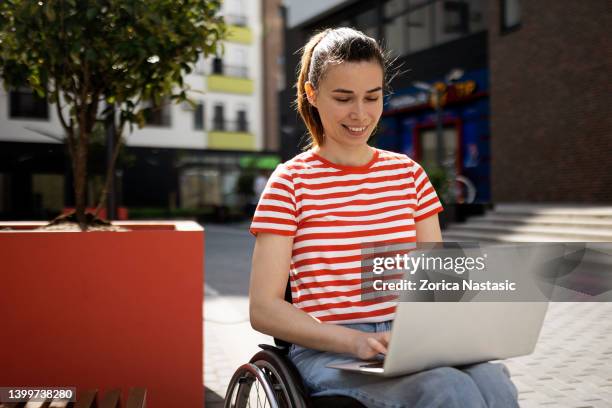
(362, 75)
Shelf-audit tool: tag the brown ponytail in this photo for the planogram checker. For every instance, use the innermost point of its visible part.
(330, 46)
(309, 114)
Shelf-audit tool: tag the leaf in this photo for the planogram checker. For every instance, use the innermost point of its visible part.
(90, 54)
(49, 12)
(91, 13)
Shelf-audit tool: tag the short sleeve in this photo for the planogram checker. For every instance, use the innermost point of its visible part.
(276, 210)
(428, 203)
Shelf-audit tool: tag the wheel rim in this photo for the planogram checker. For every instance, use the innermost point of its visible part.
(249, 387)
(278, 387)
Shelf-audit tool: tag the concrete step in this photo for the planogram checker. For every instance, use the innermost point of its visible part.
(534, 229)
(597, 253)
(547, 220)
(560, 233)
(552, 209)
(522, 222)
(480, 236)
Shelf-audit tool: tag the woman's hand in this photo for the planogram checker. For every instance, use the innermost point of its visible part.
(367, 345)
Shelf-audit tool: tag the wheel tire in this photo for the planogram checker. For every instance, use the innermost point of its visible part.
(286, 381)
(251, 387)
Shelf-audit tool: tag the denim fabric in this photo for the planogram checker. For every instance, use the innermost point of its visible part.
(478, 385)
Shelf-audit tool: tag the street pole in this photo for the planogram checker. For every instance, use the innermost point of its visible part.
(439, 129)
(436, 93)
(447, 166)
(110, 147)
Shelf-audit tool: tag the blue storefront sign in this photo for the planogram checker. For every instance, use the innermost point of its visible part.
(409, 126)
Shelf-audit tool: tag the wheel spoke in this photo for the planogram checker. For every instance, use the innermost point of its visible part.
(257, 393)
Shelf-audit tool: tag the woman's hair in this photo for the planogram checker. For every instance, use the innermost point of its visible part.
(331, 46)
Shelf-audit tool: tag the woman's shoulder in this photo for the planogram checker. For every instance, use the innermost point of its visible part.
(387, 157)
(299, 163)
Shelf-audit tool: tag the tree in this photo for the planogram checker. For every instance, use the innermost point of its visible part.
(104, 60)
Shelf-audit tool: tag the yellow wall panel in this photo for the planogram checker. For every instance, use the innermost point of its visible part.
(231, 140)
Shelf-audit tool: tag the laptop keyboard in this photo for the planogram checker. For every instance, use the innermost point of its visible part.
(373, 365)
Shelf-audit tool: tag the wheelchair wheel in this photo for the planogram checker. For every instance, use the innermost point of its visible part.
(257, 385)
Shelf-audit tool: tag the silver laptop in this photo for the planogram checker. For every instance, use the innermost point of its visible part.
(427, 335)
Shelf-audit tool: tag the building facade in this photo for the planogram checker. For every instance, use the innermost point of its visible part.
(426, 40)
(527, 118)
(184, 158)
(550, 70)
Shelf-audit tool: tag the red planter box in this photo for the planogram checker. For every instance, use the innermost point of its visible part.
(103, 310)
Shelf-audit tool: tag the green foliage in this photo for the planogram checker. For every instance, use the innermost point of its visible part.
(440, 180)
(119, 51)
(86, 55)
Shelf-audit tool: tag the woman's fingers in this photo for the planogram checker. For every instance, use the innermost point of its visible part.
(377, 345)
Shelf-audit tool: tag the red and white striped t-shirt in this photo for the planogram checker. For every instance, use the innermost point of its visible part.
(331, 211)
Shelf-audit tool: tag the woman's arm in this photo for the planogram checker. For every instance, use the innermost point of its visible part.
(272, 315)
(428, 230)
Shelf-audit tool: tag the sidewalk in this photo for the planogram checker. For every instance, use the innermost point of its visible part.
(571, 367)
(572, 363)
(229, 342)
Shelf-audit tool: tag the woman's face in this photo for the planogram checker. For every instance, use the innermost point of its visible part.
(350, 101)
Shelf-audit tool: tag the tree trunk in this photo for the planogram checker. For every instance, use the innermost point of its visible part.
(80, 179)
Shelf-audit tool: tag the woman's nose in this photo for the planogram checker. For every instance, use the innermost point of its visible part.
(358, 112)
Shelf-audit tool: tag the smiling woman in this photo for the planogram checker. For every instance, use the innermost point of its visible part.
(317, 212)
(349, 102)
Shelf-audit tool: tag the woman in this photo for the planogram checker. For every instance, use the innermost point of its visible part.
(315, 213)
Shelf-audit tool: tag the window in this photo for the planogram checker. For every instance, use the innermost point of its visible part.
(48, 191)
(200, 187)
(367, 22)
(477, 11)
(414, 25)
(242, 125)
(456, 17)
(409, 25)
(218, 118)
(198, 116)
(5, 189)
(159, 115)
(510, 15)
(217, 66)
(420, 23)
(24, 103)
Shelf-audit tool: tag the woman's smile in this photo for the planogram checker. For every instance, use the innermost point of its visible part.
(356, 130)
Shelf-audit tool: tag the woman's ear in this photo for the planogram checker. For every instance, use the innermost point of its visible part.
(311, 94)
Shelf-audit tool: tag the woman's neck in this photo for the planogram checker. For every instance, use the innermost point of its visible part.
(353, 156)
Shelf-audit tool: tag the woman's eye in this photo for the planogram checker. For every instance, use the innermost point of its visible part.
(342, 100)
(372, 99)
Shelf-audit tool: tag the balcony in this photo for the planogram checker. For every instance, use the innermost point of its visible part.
(230, 79)
(230, 135)
(238, 34)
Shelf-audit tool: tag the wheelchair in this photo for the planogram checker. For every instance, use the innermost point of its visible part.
(271, 379)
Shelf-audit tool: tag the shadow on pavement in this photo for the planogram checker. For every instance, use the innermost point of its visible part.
(212, 399)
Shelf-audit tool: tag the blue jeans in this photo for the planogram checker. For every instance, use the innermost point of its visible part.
(474, 386)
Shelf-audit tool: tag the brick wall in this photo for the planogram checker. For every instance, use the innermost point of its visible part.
(551, 103)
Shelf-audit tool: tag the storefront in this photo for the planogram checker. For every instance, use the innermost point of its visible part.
(36, 181)
(410, 125)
